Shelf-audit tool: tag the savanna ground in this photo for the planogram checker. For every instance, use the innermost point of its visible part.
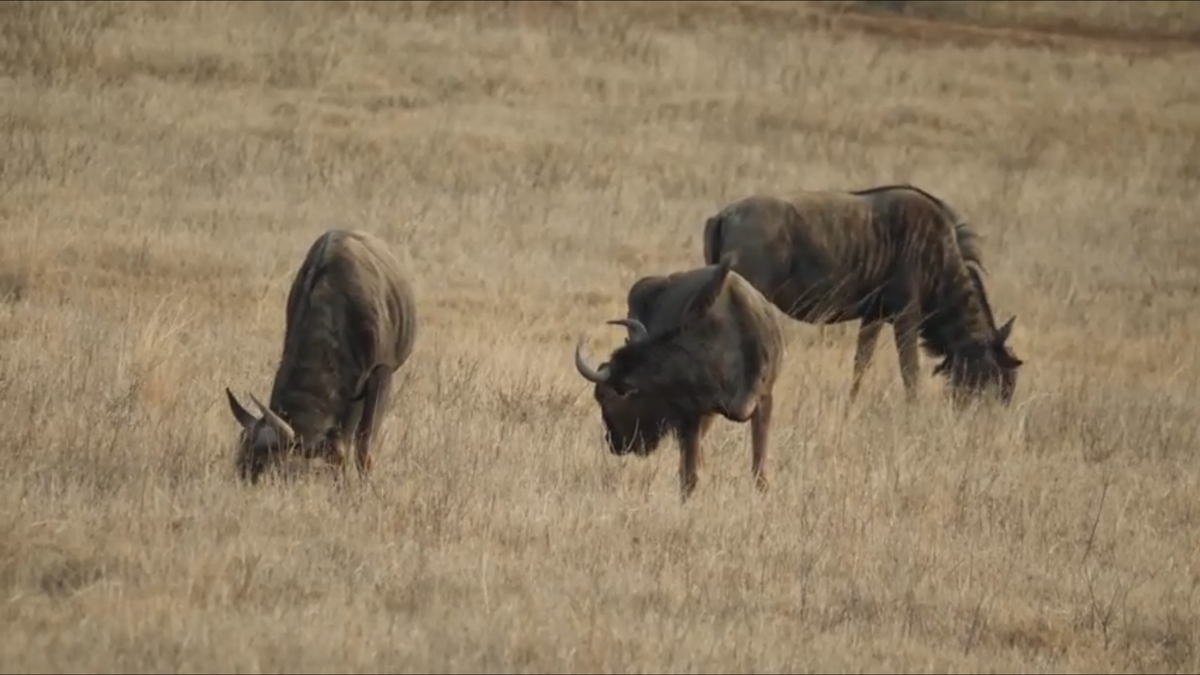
(164, 167)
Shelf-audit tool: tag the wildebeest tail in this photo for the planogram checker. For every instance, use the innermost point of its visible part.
(714, 239)
(714, 242)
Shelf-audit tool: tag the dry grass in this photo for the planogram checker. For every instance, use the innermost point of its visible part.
(165, 166)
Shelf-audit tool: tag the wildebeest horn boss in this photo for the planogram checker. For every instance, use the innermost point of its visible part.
(893, 254)
(351, 323)
(700, 343)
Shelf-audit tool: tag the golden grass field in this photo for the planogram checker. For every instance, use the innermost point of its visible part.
(164, 168)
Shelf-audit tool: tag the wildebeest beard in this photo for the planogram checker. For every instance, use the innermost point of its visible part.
(634, 423)
(976, 377)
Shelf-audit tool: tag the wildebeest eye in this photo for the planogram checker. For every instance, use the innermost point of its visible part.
(623, 388)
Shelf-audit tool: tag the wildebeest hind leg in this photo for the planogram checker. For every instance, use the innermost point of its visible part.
(760, 433)
(374, 402)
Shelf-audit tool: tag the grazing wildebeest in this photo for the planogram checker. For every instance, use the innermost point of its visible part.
(699, 343)
(351, 323)
(893, 254)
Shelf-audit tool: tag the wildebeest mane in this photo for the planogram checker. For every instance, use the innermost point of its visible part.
(957, 315)
(965, 236)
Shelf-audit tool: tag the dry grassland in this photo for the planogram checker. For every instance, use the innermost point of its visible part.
(164, 167)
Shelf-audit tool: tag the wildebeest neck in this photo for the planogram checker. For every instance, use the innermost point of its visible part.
(956, 318)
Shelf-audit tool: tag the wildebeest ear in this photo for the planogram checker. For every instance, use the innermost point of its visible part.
(1005, 331)
(643, 293)
(711, 290)
(1006, 359)
(242, 415)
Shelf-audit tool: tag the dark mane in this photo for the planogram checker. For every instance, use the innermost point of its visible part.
(957, 318)
(307, 391)
(902, 186)
(302, 378)
(965, 235)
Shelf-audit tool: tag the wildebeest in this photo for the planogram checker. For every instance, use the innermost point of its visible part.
(892, 253)
(351, 323)
(699, 343)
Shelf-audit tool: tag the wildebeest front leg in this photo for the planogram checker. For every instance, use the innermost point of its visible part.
(690, 458)
(905, 332)
(375, 396)
(760, 433)
(868, 336)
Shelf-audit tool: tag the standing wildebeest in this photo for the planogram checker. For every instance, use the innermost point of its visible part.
(351, 323)
(893, 254)
(700, 343)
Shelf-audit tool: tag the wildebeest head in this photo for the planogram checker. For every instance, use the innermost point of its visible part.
(654, 382)
(635, 420)
(994, 370)
(260, 439)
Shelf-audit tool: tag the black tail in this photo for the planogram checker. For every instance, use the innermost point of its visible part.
(714, 239)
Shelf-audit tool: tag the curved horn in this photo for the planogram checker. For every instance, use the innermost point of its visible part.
(242, 415)
(637, 330)
(590, 374)
(286, 434)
